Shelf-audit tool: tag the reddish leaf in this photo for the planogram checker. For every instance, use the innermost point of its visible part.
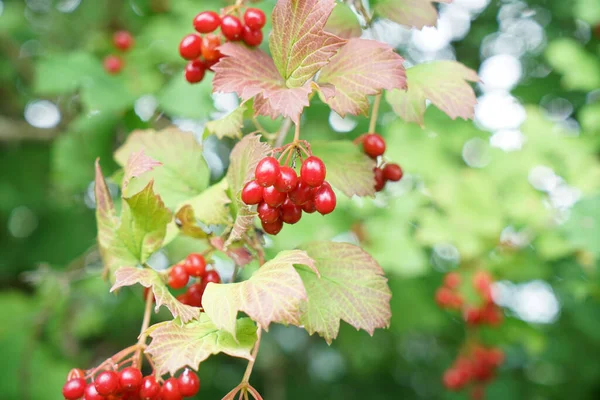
(362, 68)
(137, 164)
(414, 13)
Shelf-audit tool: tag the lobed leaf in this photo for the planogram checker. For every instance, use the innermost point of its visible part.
(229, 125)
(137, 164)
(273, 294)
(187, 223)
(412, 13)
(444, 83)
(128, 276)
(352, 287)
(174, 347)
(360, 69)
(211, 206)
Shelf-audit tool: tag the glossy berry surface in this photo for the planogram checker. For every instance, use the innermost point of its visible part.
(106, 383)
(189, 383)
(287, 180)
(92, 394)
(252, 38)
(210, 43)
(313, 171)
(194, 71)
(267, 171)
(301, 194)
(178, 277)
(195, 265)
(272, 228)
(373, 145)
(231, 27)
(195, 293)
(170, 390)
(113, 64)
(254, 18)
(309, 207)
(273, 197)
(74, 388)
(130, 379)
(267, 214)
(190, 47)
(252, 193)
(325, 199)
(379, 179)
(212, 276)
(207, 22)
(150, 388)
(392, 172)
(290, 212)
(123, 40)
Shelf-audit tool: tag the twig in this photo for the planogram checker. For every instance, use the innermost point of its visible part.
(374, 113)
(246, 378)
(145, 324)
(297, 132)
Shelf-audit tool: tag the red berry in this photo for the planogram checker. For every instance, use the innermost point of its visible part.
(267, 214)
(178, 276)
(453, 379)
(379, 179)
(325, 200)
(373, 145)
(290, 213)
(309, 207)
(273, 197)
(207, 22)
(452, 280)
(212, 276)
(492, 315)
(252, 193)
(194, 71)
(495, 356)
(313, 171)
(123, 40)
(392, 172)
(482, 282)
(190, 47)
(444, 297)
(301, 194)
(252, 38)
(272, 228)
(267, 171)
(210, 43)
(75, 373)
(189, 384)
(195, 265)
(210, 64)
(254, 18)
(92, 394)
(457, 301)
(194, 294)
(149, 389)
(287, 180)
(113, 64)
(472, 316)
(107, 382)
(74, 389)
(231, 27)
(170, 390)
(130, 379)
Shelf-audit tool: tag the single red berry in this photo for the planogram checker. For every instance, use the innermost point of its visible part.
(74, 389)
(392, 172)
(252, 38)
(492, 315)
(190, 47)
(287, 180)
(252, 193)
(195, 293)
(290, 213)
(210, 43)
(325, 200)
(195, 265)
(379, 179)
(452, 280)
(313, 171)
(482, 282)
(183, 298)
(272, 228)
(207, 22)
(309, 207)
(268, 214)
(189, 383)
(178, 276)
(444, 297)
(472, 316)
(212, 276)
(373, 145)
(209, 64)
(495, 356)
(267, 171)
(113, 64)
(194, 71)
(92, 394)
(453, 379)
(231, 27)
(123, 40)
(273, 197)
(301, 194)
(107, 383)
(130, 379)
(254, 18)
(170, 390)
(150, 388)
(457, 301)
(75, 373)
(481, 371)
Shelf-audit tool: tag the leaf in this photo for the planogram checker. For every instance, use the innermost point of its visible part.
(360, 69)
(583, 226)
(181, 99)
(343, 22)
(174, 347)
(273, 294)
(184, 173)
(298, 43)
(64, 73)
(243, 221)
(128, 276)
(444, 83)
(348, 168)
(211, 206)
(186, 222)
(352, 287)
(229, 125)
(107, 222)
(412, 13)
(137, 164)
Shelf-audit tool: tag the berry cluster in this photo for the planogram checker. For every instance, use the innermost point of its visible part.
(201, 51)
(123, 41)
(129, 384)
(194, 266)
(477, 365)
(281, 196)
(374, 146)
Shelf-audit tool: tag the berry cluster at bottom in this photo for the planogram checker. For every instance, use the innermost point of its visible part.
(477, 365)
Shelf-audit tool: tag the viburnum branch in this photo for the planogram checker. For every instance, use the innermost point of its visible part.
(374, 113)
(145, 324)
(246, 378)
(113, 360)
(254, 393)
(297, 133)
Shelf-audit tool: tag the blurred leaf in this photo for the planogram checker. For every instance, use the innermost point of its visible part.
(230, 125)
(583, 227)
(580, 69)
(211, 206)
(181, 99)
(412, 13)
(64, 73)
(343, 22)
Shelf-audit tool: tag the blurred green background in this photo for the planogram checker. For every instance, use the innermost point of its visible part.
(516, 192)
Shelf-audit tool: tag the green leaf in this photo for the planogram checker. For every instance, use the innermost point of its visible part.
(181, 99)
(65, 73)
(184, 172)
(298, 43)
(106, 93)
(352, 287)
(211, 206)
(444, 83)
(343, 22)
(583, 227)
(412, 13)
(360, 69)
(174, 347)
(588, 11)
(128, 276)
(580, 69)
(230, 125)
(273, 294)
(348, 168)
